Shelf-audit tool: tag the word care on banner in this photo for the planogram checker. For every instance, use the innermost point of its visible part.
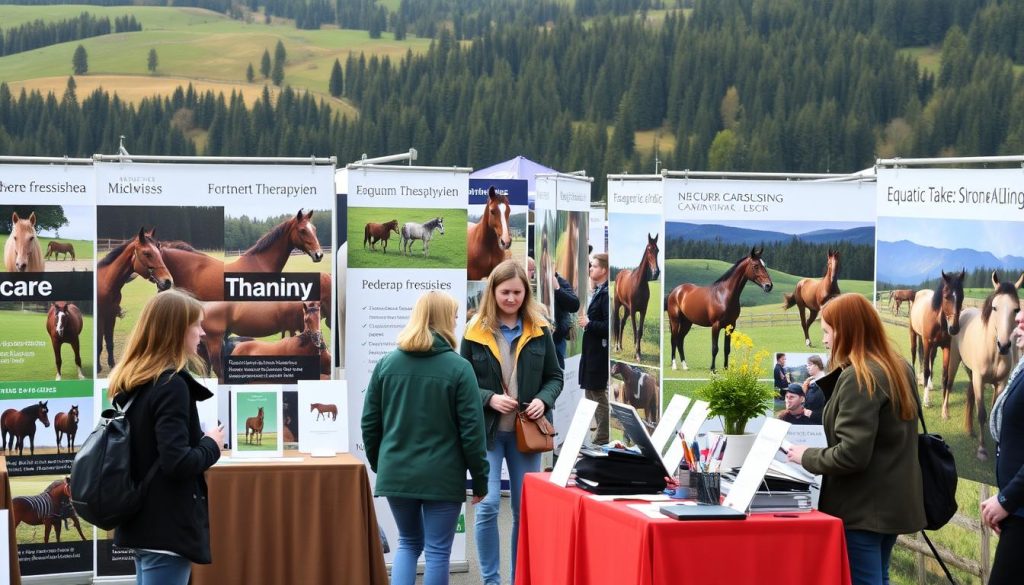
(952, 239)
(406, 236)
(561, 229)
(636, 257)
(46, 357)
(748, 265)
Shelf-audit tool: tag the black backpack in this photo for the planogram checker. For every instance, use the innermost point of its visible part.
(102, 489)
(938, 475)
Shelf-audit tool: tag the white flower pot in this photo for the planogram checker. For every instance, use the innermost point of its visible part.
(736, 449)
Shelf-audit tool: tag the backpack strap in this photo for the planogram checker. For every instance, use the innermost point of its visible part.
(945, 569)
(920, 414)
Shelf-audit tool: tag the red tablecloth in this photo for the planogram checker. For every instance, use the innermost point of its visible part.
(567, 537)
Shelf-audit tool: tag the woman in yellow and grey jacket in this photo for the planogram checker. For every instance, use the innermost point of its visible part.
(509, 344)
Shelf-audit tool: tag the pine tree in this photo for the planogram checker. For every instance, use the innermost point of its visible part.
(151, 61)
(277, 75)
(80, 61)
(265, 64)
(280, 55)
(249, 73)
(336, 86)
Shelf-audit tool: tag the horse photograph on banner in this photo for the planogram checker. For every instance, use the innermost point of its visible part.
(44, 426)
(42, 513)
(496, 228)
(966, 277)
(634, 289)
(406, 237)
(46, 238)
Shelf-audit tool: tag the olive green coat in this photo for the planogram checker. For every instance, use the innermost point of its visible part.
(872, 478)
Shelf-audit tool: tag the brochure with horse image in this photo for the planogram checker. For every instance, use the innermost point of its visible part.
(322, 415)
(257, 421)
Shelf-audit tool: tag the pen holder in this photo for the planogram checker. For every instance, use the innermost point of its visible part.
(709, 487)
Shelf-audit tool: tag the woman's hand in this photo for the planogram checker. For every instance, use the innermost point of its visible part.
(796, 454)
(217, 434)
(535, 409)
(476, 500)
(584, 321)
(992, 513)
(503, 403)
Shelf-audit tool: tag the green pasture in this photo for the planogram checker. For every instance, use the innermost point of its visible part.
(649, 348)
(269, 443)
(28, 534)
(31, 326)
(83, 249)
(194, 43)
(446, 251)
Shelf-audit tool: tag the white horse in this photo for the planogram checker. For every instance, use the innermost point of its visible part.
(983, 345)
(420, 231)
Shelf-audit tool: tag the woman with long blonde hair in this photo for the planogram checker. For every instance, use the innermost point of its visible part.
(423, 428)
(509, 344)
(169, 450)
(871, 475)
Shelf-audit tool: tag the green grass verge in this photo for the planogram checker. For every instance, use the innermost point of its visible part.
(446, 251)
(269, 443)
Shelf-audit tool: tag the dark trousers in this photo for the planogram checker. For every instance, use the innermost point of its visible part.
(1009, 564)
(600, 396)
(869, 554)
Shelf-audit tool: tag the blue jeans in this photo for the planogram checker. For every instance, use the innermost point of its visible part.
(869, 554)
(488, 542)
(424, 526)
(159, 569)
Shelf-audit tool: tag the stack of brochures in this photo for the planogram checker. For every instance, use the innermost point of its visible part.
(786, 488)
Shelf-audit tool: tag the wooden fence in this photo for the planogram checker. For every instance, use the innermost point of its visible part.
(980, 569)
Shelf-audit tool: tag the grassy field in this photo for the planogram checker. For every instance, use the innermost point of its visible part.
(446, 251)
(191, 44)
(269, 443)
(649, 348)
(30, 326)
(83, 249)
(28, 534)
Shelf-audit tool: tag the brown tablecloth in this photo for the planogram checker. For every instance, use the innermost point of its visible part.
(5, 503)
(310, 522)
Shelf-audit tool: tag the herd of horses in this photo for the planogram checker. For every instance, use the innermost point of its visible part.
(374, 233)
(16, 425)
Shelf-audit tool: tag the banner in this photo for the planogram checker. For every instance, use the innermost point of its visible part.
(635, 227)
(758, 258)
(562, 218)
(407, 232)
(46, 366)
(949, 244)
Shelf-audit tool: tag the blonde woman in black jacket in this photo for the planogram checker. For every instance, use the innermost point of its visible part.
(172, 530)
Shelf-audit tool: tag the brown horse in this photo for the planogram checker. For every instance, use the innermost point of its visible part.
(632, 293)
(271, 252)
(900, 296)
(64, 324)
(488, 241)
(251, 319)
(66, 423)
(811, 293)
(983, 345)
(934, 319)
(139, 255)
(639, 390)
(309, 342)
(379, 232)
(194, 271)
(567, 262)
(48, 508)
(716, 305)
(54, 248)
(322, 410)
(22, 252)
(20, 424)
(254, 428)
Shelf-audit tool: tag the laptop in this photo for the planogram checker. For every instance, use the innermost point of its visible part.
(702, 512)
(634, 429)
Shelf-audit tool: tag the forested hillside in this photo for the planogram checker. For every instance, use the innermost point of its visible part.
(768, 85)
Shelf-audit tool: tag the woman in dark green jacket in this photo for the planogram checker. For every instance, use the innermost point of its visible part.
(509, 344)
(423, 428)
(871, 476)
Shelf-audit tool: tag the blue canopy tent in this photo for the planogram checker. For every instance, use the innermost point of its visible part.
(519, 167)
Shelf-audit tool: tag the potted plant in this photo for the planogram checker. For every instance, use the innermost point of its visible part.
(738, 394)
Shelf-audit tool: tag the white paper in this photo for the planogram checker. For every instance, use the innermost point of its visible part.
(691, 426)
(323, 416)
(208, 413)
(669, 419)
(652, 510)
(749, 479)
(578, 430)
(639, 497)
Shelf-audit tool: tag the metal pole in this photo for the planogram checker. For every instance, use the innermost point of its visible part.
(409, 156)
(289, 160)
(949, 160)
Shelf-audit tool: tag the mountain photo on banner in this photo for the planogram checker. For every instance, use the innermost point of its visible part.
(924, 267)
(766, 279)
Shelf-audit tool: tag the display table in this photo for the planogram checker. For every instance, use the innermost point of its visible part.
(567, 537)
(292, 522)
(5, 504)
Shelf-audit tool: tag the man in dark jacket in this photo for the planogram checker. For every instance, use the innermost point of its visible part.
(566, 303)
(594, 359)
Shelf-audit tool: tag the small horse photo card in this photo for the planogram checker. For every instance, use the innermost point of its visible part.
(323, 416)
(256, 421)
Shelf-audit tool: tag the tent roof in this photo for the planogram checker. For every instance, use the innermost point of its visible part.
(519, 167)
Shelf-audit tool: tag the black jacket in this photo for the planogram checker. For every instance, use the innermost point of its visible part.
(594, 358)
(1010, 454)
(165, 431)
(566, 303)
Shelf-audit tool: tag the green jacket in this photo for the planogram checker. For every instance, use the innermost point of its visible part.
(423, 425)
(537, 372)
(871, 475)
